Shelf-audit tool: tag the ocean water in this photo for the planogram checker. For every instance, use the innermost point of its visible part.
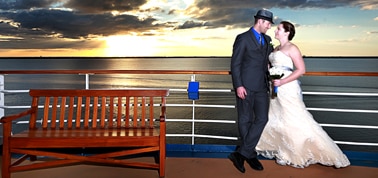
(308, 83)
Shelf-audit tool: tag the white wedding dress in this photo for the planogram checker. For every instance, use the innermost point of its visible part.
(292, 136)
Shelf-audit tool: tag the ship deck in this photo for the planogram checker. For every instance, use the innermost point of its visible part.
(207, 167)
(194, 167)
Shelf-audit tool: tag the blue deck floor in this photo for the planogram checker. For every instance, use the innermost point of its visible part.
(368, 159)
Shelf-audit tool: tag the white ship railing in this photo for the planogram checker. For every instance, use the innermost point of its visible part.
(194, 105)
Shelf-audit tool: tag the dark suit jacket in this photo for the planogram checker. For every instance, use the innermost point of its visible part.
(249, 62)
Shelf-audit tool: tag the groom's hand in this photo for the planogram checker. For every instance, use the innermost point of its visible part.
(241, 92)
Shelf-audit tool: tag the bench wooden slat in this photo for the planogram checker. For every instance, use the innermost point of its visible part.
(143, 112)
(127, 118)
(111, 107)
(103, 105)
(95, 111)
(33, 115)
(53, 115)
(46, 113)
(150, 111)
(62, 112)
(119, 112)
(78, 111)
(76, 134)
(86, 112)
(135, 115)
(70, 112)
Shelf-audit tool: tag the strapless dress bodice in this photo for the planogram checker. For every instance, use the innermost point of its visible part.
(279, 58)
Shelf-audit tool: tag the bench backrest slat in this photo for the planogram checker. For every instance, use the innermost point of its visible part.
(95, 111)
(46, 113)
(62, 113)
(119, 112)
(110, 121)
(151, 110)
(78, 111)
(69, 109)
(33, 115)
(86, 111)
(70, 112)
(127, 111)
(103, 107)
(143, 114)
(54, 110)
(135, 110)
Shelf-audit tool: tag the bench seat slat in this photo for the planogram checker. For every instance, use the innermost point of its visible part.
(73, 133)
(84, 142)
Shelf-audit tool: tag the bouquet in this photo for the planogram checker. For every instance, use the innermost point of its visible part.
(275, 73)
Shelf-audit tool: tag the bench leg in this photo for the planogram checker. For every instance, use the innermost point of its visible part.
(6, 160)
(162, 163)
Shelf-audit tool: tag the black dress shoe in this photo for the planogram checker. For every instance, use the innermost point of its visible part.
(238, 161)
(255, 164)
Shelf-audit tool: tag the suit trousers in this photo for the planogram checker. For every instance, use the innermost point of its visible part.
(252, 118)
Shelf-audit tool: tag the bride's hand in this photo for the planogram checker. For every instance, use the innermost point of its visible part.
(277, 82)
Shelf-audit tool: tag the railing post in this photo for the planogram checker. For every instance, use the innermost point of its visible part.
(2, 110)
(193, 120)
(86, 80)
(192, 79)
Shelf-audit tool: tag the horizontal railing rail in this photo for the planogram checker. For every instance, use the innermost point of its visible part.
(204, 72)
(194, 105)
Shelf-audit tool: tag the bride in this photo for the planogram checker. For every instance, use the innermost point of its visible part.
(291, 135)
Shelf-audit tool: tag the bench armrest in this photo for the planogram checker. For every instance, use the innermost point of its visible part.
(10, 118)
(7, 123)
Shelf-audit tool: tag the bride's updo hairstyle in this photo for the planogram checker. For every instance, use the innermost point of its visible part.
(289, 27)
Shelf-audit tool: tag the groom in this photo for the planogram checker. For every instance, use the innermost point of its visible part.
(249, 68)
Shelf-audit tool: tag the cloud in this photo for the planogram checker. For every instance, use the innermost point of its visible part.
(240, 13)
(101, 6)
(191, 24)
(49, 20)
(70, 25)
(26, 4)
(366, 4)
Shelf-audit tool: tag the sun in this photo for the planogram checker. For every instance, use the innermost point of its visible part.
(123, 46)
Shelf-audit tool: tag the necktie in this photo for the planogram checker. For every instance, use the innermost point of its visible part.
(261, 40)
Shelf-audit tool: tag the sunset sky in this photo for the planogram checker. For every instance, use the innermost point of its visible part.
(179, 27)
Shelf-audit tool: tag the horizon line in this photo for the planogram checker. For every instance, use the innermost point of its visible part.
(50, 57)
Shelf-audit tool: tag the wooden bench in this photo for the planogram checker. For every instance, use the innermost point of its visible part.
(119, 125)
